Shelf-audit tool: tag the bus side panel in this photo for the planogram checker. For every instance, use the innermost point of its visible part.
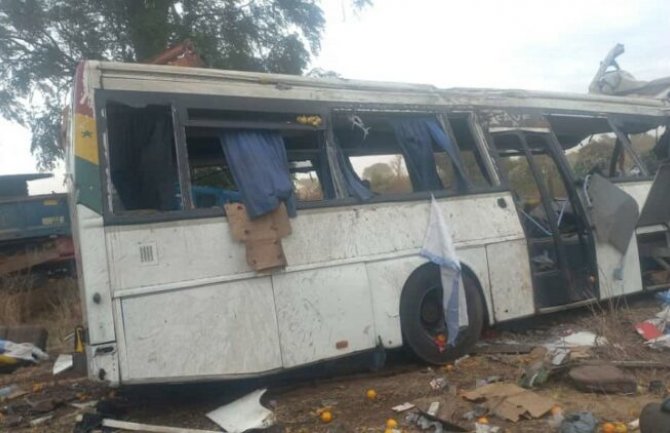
(94, 278)
(323, 313)
(387, 279)
(511, 284)
(219, 329)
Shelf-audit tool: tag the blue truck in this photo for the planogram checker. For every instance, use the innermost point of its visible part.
(34, 230)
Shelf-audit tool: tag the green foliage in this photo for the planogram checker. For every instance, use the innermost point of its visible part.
(41, 42)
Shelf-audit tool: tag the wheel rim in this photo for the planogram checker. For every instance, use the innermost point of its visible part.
(431, 316)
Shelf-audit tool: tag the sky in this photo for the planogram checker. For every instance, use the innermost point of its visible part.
(476, 43)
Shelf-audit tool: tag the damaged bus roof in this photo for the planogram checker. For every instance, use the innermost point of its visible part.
(177, 79)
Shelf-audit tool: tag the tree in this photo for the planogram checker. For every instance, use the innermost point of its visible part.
(41, 42)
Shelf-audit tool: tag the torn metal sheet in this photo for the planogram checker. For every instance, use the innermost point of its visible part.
(615, 213)
(243, 414)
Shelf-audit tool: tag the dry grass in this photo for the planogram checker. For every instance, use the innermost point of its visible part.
(51, 303)
(615, 320)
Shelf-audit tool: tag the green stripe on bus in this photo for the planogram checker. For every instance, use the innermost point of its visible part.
(87, 176)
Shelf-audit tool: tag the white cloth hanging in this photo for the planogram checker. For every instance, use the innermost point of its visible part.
(438, 247)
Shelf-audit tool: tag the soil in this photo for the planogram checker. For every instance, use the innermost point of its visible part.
(340, 386)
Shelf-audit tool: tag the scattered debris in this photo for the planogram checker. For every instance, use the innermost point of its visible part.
(577, 339)
(603, 378)
(403, 407)
(63, 363)
(133, 426)
(41, 420)
(582, 422)
(534, 375)
(425, 422)
(510, 401)
(479, 411)
(22, 351)
(559, 356)
(243, 414)
(433, 408)
(649, 330)
(439, 383)
(11, 392)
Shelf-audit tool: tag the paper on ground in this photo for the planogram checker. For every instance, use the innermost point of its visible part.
(63, 362)
(243, 414)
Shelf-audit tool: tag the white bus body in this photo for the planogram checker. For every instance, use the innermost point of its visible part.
(173, 299)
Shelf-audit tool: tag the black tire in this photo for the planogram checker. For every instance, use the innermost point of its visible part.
(422, 318)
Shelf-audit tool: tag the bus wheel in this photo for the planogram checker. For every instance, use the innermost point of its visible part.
(422, 317)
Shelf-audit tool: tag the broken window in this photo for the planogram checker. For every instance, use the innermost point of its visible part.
(471, 159)
(212, 177)
(593, 146)
(305, 181)
(395, 153)
(212, 182)
(383, 174)
(647, 145)
(142, 158)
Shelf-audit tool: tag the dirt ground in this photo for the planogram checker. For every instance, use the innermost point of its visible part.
(341, 386)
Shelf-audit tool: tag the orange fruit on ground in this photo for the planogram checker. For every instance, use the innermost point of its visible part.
(371, 394)
(391, 423)
(326, 416)
(620, 428)
(449, 368)
(608, 427)
(556, 409)
(483, 420)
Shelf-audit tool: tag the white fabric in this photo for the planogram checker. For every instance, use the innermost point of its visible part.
(438, 247)
(24, 351)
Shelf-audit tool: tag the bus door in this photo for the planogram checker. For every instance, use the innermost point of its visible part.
(560, 242)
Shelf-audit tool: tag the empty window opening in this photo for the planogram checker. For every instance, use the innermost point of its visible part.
(142, 158)
(592, 146)
(308, 165)
(305, 181)
(471, 157)
(371, 148)
(651, 146)
(212, 182)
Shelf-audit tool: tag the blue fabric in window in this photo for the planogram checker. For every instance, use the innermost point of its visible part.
(345, 180)
(416, 142)
(258, 161)
(416, 136)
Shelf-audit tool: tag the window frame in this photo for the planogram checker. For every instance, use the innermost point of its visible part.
(180, 103)
(621, 136)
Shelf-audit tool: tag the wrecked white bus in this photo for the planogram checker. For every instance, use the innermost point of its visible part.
(548, 197)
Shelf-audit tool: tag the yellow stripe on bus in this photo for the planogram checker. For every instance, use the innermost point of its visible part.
(85, 138)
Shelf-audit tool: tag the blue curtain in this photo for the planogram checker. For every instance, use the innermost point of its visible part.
(258, 161)
(416, 137)
(345, 180)
(416, 142)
